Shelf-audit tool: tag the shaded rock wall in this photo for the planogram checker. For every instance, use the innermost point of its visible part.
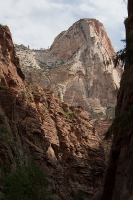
(119, 180)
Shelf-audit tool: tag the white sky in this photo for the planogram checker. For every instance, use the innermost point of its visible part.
(37, 22)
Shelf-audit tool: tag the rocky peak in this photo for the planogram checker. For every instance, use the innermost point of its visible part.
(82, 33)
(78, 67)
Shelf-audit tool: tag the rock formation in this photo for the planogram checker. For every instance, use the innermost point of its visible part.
(34, 122)
(119, 179)
(102, 126)
(78, 67)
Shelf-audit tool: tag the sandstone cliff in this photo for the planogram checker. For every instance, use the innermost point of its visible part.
(34, 122)
(119, 180)
(78, 67)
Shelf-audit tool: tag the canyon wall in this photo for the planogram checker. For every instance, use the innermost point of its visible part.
(119, 179)
(35, 123)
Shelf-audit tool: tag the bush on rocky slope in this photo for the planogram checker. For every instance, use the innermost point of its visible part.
(27, 182)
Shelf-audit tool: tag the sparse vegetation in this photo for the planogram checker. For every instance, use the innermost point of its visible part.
(4, 131)
(115, 92)
(95, 115)
(62, 62)
(106, 63)
(4, 134)
(29, 183)
(1, 25)
(22, 94)
(79, 196)
(124, 56)
(68, 114)
(43, 65)
(4, 87)
(59, 95)
(26, 183)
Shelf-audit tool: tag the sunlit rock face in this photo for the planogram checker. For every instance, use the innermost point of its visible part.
(78, 67)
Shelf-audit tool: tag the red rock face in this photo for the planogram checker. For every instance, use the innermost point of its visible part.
(102, 127)
(34, 122)
(7, 46)
(7, 50)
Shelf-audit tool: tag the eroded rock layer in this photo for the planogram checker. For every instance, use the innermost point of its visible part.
(78, 67)
(34, 122)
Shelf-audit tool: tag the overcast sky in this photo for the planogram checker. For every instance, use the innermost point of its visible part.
(37, 22)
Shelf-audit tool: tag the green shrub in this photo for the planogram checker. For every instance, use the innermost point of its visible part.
(4, 134)
(68, 114)
(27, 183)
(79, 196)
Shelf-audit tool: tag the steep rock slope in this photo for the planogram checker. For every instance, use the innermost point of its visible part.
(34, 122)
(78, 67)
(119, 180)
